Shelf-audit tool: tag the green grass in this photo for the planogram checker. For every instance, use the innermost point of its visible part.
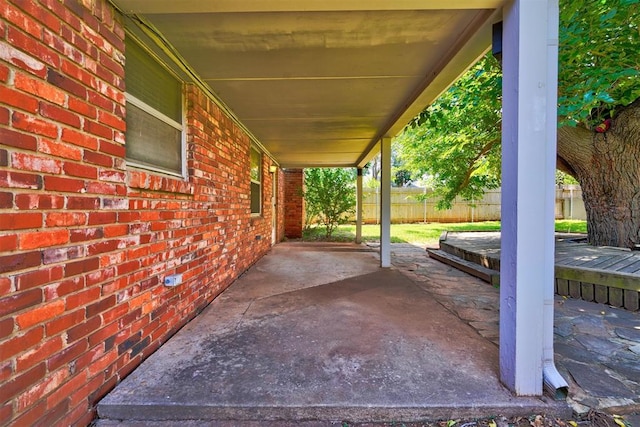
(424, 234)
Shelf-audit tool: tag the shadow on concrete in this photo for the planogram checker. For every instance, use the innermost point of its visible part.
(310, 334)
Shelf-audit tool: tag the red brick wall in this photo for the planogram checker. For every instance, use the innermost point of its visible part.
(280, 206)
(85, 242)
(293, 203)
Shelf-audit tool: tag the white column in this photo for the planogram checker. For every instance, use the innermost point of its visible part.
(553, 381)
(359, 206)
(526, 188)
(385, 202)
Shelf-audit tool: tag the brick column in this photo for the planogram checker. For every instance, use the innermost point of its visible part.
(293, 203)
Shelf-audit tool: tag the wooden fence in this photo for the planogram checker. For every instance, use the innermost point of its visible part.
(406, 206)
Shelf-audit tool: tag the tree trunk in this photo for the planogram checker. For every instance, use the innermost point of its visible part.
(607, 165)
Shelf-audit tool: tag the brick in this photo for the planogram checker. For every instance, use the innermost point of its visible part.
(81, 74)
(18, 100)
(38, 277)
(6, 200)
(34, 125)
(80, 170)
(83, 203)
(100, 306)
(101, 247)
(35, 163)
(65, 219)
(83, 329)
(18, 57)
(116, 230)
(64, 322)
(20, 221)
(78, 138)
(631, 300)
(59, 115)
(112, 176)
(40, 314)
(98, 159)
(121, 204)
(100, 101)
(22, 20)
(66, 84)
(21, 261)
(39, 88)
(31, 416)
(6, 327)
(52, 416)
(104, 335)
(39, 201)
(43, 239)
(97, 218)
(56, 255)
(40, 353)
(4, 158)
(83, 266)
(22, 382)
(17, 139)
(86, 234)
(114, 149)
(20, 180)
(67, 355)
(111, 120)
(83, 108)
(97, 129)
(5, 116)
(66, 185)
(21, 343)
(65, 287)
(59, 149)
(50, 382)
(8, 242)
(4, 73)
(43, 15)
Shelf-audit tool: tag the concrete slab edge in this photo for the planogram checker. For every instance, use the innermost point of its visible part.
(325, 413)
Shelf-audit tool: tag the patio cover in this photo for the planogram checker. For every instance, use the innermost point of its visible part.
(330, 82)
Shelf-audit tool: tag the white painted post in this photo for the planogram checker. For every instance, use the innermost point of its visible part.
(385, 202)
(359, 206)
(526, 153)
(553, 381)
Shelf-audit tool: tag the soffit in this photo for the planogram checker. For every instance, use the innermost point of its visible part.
(319, 83)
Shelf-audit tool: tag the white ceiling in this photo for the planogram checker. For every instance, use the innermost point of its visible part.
(319, 83)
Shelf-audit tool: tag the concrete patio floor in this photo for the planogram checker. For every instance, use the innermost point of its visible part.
(320, 332)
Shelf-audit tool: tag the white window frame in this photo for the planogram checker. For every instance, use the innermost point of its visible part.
(252, 181)
(164, 118)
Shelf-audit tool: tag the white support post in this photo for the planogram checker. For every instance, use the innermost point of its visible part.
(385, 202)
(553, 381)
(359, 207)
(527, 188)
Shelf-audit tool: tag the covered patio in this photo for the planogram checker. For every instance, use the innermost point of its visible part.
(320, 332)
(329, 83)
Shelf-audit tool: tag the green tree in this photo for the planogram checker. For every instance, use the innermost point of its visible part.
(329, 196)
(599, 118)
(456, 140)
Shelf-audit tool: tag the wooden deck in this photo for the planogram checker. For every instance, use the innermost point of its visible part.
(601, 274)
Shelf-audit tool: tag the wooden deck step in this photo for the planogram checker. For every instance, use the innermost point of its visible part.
(486, 274)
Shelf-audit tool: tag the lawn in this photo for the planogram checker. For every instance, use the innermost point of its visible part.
(424, 234)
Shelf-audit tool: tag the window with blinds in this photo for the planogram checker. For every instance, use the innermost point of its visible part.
(256, 181)
(154, 136)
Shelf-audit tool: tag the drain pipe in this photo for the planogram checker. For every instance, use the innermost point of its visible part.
(553, 381)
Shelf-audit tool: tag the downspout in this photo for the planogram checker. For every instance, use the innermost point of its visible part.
(554, 384)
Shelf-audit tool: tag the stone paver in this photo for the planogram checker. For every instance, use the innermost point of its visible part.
(596, 345)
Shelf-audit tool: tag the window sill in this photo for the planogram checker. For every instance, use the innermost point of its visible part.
(146, 180)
